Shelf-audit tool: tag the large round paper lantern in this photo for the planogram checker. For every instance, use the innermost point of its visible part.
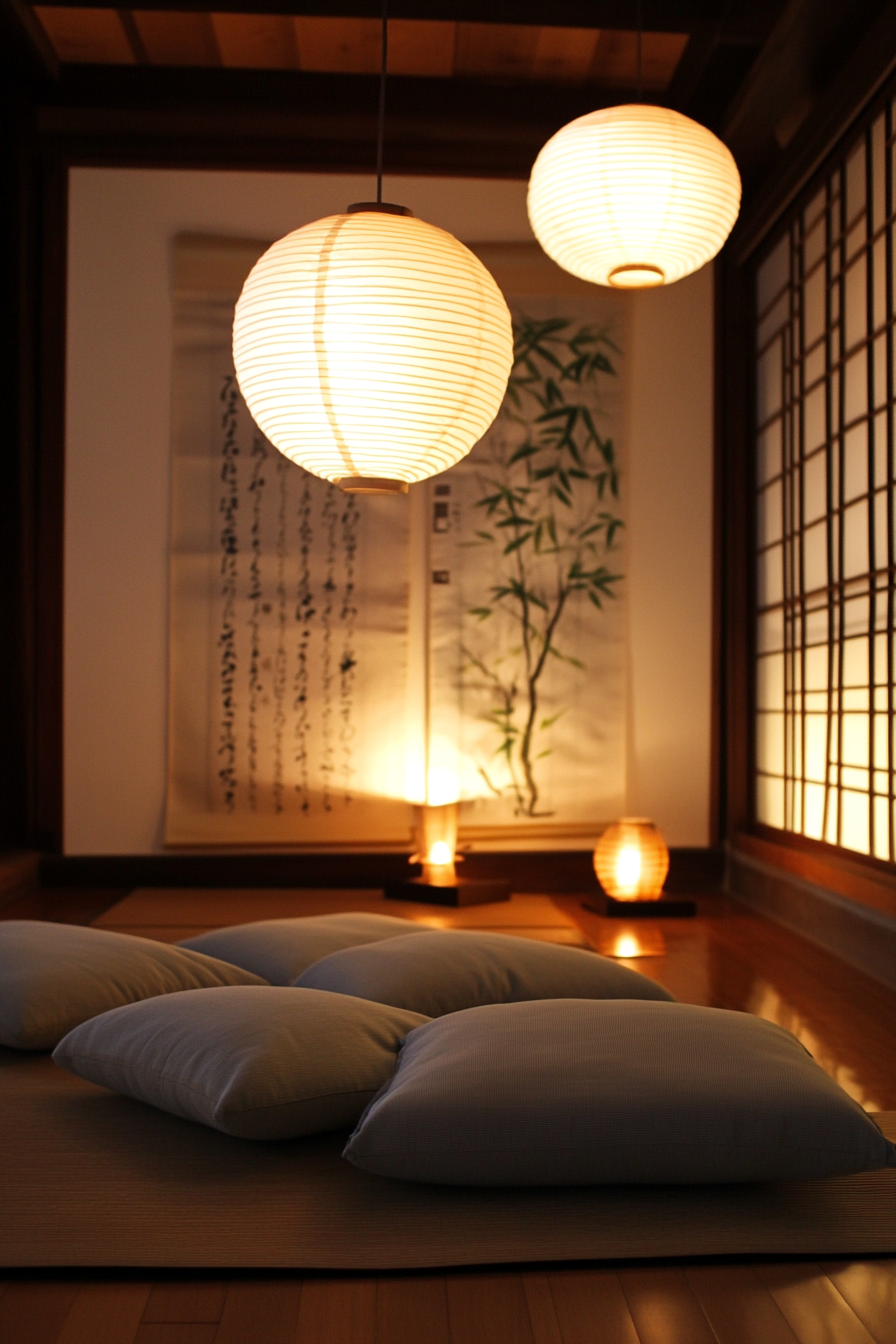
(633, 196)
(372, 348)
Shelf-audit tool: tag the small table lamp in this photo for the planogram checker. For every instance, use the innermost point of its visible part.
(631, 861)
(437, 852)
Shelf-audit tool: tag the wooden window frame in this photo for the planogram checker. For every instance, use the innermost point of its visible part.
(868, 87)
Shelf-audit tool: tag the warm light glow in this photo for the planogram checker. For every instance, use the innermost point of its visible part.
(442, 785)
(437, 843)
(631, 860)
(372, 348)
(440, 853)
(633, 196)
(628, 868)
(627, 945)
(629, 942)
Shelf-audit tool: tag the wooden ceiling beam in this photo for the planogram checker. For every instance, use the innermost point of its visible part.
(787, 85)
(664, 16)
(21, 36)
(717, 58)
(869, 60)
(293, 119)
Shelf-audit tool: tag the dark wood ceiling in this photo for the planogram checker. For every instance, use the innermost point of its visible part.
(426, 48)
(476, 86)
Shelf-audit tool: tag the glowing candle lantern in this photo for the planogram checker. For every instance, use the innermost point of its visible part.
(633, 196)
(437, 852)
(631, 860)
(437, 843)
(372, 348)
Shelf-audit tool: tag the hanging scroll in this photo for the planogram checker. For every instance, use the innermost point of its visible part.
(527, 612)
(288, 626)
(335, 659)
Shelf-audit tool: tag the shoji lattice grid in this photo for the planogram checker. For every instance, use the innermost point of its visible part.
(825, 518)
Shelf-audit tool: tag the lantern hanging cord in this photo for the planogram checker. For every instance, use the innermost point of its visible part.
(381, 120)
(640, 65)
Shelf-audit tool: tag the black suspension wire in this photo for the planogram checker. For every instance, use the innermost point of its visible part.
(640, 66)
(382, 113)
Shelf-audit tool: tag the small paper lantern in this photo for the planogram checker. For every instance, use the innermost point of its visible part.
(437, 843)
(372, 348)
(631, 860)
(633, 196)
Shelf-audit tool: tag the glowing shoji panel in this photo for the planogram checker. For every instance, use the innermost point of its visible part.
(824, 673)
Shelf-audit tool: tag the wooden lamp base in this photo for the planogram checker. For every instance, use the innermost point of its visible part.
(664, 907)
(458, 893)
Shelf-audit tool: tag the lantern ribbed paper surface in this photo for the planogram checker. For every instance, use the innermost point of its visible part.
(633, 196)
(372, 345)
(631, 860)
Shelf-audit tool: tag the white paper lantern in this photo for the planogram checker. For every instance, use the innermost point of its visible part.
(372, 348)
(633, 196)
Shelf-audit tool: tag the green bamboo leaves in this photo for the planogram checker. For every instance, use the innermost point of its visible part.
(550, 508)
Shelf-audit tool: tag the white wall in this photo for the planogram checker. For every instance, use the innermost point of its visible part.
(669, 503)
(118, 412)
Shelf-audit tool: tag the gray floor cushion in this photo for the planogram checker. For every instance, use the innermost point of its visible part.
(442, 972)
(280, 949)
(259, 1063)
(54, 976)
(572, 1092)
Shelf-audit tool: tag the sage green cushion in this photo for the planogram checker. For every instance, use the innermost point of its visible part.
(280, 949)
(570, 1092)
(443, 972)
(259, 1063)
(53, 976)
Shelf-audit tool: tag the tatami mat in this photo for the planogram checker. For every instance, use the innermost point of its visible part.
(93, 1179)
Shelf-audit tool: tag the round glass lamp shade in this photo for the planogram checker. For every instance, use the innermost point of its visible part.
(631, 860)
(633, 196)
(373, 349)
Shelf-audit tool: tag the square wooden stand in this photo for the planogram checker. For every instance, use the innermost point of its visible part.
(667, 907)
(459, 893)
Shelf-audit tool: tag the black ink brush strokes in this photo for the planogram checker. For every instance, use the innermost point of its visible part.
(330, 521)
(304, 618)
(348, 662)
(279, 674)
(256, 598)
(228, 506)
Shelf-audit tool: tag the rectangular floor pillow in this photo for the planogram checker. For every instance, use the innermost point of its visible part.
(443, 972)
(54, 976)
(280, 949)
(260, 1063)
(569, 1092)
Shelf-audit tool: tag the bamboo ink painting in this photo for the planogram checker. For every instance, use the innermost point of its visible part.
(335, 659)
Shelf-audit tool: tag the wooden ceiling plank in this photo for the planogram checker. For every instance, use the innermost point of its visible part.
(564, 53)
(615, 62)
(132, 33)
(423, 47)
(23, 36)
(681, 16)
(256, 41)
(495, 50)
(661, 54)
(95, 36)
(339, 46)
(171, 38)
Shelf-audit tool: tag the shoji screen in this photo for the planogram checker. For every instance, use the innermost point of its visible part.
(825, 509)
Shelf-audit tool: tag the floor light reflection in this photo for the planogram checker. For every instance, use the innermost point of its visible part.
(627, 942)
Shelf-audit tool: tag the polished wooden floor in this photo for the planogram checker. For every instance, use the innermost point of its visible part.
(726, 957)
